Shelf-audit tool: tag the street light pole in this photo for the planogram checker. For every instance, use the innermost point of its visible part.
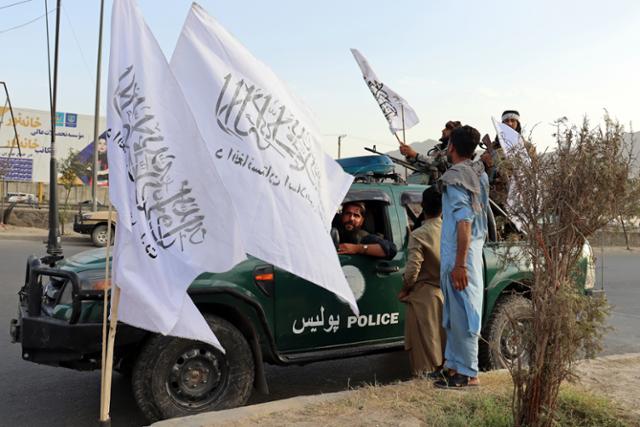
(340, 143)
(53, 242)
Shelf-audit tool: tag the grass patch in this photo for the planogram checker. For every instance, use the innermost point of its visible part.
(419, 403)
(580, 408)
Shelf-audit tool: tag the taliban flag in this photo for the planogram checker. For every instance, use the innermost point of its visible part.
(268, 152)
(512, 144)
(175, 217)
(510, 140)
(393, 106)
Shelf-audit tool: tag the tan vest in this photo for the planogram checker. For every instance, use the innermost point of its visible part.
(423, 261)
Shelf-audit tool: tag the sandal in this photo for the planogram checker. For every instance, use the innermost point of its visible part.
(457, 381)
(439, 374)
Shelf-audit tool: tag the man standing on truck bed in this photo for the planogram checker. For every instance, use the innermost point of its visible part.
(464, 228)
(354, 240)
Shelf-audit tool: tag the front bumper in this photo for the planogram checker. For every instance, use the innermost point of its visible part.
(52, 341)
(56, 342)
(80, 227)
(595, 293)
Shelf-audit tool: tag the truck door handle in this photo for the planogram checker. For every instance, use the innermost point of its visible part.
(386, 268)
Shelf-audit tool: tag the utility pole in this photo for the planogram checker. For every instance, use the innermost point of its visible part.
(96, 118)
(53, 242)
(340, 143)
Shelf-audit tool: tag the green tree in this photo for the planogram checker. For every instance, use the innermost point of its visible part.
(70, 170)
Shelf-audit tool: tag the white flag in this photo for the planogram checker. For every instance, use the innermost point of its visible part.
(508, 137)
(285, 188)
(511, 142)
(393, 106)
(175, 217)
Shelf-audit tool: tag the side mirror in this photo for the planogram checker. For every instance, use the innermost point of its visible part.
(335, 236)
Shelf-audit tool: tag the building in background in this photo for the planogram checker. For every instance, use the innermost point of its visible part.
(73, 132)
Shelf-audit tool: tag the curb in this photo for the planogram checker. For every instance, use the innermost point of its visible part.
(242, 415)
(10, 232)
(237, 415)
(42, 237)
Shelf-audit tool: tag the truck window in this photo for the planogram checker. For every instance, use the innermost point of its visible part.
(376, 220)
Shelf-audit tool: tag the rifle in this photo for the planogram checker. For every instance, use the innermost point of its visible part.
(395, 160)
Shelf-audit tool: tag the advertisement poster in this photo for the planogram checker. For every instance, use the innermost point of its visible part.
(73, 132)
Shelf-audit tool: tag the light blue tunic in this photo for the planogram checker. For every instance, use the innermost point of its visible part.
(462, 311)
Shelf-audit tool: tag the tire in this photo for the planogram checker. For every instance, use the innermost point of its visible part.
(99, 235)
(509, 325)
(176, 377)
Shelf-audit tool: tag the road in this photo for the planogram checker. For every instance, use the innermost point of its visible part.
(34, 395)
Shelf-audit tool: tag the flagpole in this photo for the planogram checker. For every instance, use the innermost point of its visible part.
(105, 419)
(404, 138)
(108, 339)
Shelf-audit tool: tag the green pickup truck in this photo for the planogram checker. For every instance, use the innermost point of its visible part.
(262, 314)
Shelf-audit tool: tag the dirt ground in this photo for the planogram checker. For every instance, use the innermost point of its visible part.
(614, 377)
(617, 377)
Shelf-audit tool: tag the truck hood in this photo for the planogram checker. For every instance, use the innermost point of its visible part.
(94, 259)
(86, 260)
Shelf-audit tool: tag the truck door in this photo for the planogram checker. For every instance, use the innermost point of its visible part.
(310, 318)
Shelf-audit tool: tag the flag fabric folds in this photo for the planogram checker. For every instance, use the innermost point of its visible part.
(509, 138)
(175, 217)
(267, 150)
(512, 144)
(393, 106)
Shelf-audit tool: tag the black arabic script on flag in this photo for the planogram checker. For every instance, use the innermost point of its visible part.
(171, 211)
(382, 98)
(246, 110)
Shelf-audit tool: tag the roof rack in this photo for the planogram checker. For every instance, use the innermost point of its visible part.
(370, 169)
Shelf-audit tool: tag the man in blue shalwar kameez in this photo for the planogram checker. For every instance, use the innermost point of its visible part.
(465, 189)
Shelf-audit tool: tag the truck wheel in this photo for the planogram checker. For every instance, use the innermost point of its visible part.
(506, 333)
(175, 377)
(99, 235)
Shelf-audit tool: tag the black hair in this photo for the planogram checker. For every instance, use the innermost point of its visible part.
(452, 124)
(431, 202)
(465, 139)
(360, 205)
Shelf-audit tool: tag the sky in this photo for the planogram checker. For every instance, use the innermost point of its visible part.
(462, 60)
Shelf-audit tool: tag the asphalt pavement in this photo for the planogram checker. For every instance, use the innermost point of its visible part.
(619, 271)
(35, 395)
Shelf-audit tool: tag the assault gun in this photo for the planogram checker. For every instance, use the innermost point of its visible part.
(426, 171)
(396, 160)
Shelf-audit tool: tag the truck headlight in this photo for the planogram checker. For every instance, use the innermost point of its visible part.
(93, 280)
(590, 273)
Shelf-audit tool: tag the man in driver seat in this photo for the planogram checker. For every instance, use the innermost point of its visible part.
(354, 240)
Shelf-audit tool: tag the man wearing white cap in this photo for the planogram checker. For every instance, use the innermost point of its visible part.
(498, 181)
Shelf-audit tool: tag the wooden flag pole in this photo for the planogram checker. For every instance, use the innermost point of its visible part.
(398, 138)
(105, 420)
(404, 138)
(108, 339)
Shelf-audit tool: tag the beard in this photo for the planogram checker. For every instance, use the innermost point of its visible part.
(349, 236)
